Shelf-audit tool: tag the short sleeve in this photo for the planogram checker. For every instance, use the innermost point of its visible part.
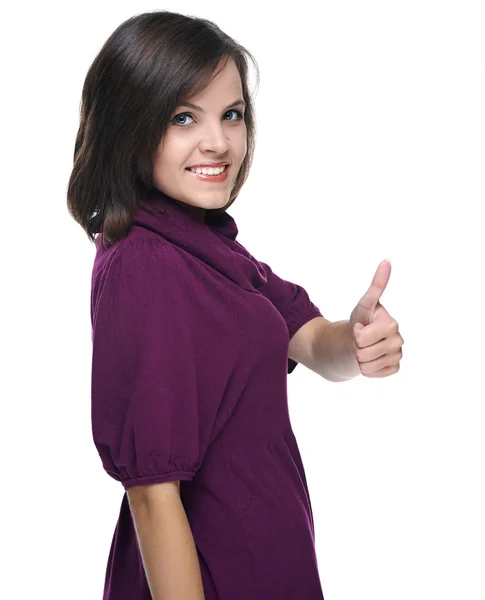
(150, 421)
(293, 303)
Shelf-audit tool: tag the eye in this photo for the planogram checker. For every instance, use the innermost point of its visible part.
(239, 114)
(183, 115)
(239, 117)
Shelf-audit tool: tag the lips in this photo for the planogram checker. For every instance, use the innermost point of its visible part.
(208, 166)
(209, 178)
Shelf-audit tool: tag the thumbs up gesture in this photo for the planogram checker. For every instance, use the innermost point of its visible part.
(376, 338)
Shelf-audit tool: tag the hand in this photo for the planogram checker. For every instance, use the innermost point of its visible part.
(377, 341)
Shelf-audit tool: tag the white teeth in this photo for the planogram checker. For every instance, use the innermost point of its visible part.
(210, 170)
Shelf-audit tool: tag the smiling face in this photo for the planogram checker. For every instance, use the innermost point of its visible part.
(214, 132)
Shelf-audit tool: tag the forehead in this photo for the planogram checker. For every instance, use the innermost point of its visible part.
(225, 87)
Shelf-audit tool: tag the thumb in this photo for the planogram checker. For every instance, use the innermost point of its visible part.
(380, 280)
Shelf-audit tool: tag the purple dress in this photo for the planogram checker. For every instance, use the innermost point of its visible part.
(189, 382)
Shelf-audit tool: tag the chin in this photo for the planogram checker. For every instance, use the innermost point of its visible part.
(212, 204)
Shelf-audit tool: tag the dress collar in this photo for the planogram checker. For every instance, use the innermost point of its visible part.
(213, 241)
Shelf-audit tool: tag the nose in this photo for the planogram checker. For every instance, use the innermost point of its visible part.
(214, 138)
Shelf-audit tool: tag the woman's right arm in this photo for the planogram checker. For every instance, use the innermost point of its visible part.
(166, 542)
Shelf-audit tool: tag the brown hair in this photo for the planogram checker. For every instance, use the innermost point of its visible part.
(149, 65)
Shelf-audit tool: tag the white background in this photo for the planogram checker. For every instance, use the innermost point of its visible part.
(370, 143)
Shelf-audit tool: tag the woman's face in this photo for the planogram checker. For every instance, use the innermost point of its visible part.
(212, 133)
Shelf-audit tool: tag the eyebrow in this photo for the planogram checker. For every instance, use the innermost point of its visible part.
(195, 107)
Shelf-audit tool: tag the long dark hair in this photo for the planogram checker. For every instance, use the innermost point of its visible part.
(150, 64)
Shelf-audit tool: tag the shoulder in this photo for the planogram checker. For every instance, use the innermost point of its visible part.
(141, 269)
(143, 291)
(141, 253)
(148, 248)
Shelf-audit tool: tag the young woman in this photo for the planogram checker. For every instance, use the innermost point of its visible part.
(190, 332)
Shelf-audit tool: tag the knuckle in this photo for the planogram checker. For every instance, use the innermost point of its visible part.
(364, 369)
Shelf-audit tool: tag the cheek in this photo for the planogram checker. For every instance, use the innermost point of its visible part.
(240, 146)
(159, 167)
(166, 161)
(173, 152)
